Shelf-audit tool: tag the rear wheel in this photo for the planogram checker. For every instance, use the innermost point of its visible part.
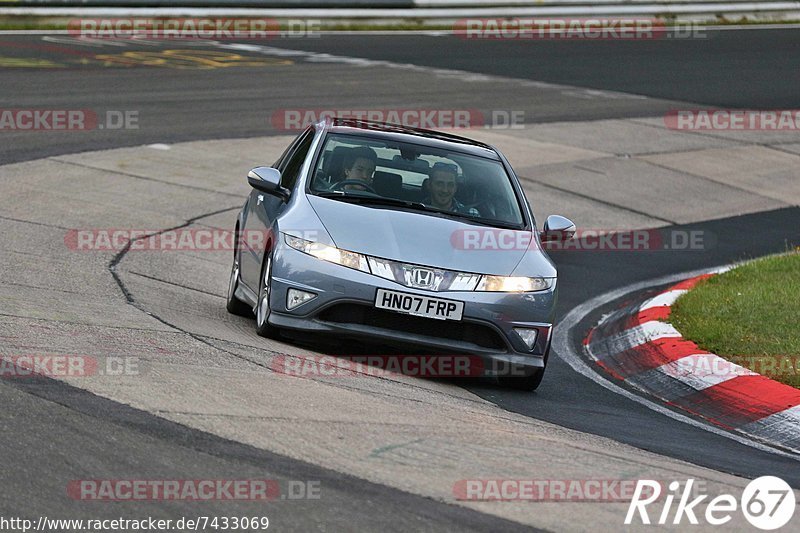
(263, 327)
(233, 304)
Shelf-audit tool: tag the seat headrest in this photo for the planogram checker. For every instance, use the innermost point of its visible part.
(387, 183)
(334, 163)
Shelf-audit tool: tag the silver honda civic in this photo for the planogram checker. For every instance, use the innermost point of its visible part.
(402, 236)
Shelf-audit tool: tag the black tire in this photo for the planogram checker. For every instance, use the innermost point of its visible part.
(526, 383)
(233, 304)
(263, 327)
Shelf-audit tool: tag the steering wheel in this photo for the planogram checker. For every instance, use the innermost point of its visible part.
(339, 186)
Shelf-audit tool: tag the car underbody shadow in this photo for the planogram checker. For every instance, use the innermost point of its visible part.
(380, 359)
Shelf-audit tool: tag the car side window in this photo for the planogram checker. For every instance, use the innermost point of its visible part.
(291, 166)
(284, 158)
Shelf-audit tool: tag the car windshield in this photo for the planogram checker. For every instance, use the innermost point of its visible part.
(413, 176)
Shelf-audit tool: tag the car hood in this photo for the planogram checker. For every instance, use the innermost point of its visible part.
(425, 240)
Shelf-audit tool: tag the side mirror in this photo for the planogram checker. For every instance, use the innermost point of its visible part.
(268, 180)
(557, 228)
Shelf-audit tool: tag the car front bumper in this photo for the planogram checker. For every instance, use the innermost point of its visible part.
(345, 300)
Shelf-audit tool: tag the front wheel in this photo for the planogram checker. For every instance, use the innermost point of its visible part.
(233, 304)
(263, 327)
(526, 383)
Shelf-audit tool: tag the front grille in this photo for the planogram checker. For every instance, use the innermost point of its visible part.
(478, 334)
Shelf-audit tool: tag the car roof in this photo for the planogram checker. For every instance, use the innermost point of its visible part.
(399, 133)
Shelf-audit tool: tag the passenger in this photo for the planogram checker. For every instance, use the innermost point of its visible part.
(443, 187)
(359, 164)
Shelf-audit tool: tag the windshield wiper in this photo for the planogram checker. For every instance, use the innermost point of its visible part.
(493, 222)
(380, 200)
(483, 221)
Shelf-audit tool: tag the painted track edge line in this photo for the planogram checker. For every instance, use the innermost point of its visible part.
(735, 400)
(564, 350)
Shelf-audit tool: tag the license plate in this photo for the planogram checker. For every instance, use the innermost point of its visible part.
(414, 304)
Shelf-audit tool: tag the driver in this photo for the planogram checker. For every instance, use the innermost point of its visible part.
(442, 185)
(359, 164)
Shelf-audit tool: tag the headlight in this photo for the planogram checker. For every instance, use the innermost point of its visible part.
(329, 253)
(513, 284)
(464, 282)
(381, 267)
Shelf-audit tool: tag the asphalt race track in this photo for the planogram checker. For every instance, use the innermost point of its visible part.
(208, 407)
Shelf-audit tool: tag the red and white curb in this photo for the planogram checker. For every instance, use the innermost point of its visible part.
(635, 344)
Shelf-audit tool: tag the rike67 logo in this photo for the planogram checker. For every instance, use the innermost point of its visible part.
(767, 503)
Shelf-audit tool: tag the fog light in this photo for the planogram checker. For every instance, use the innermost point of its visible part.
(297, 297)
(528, 336)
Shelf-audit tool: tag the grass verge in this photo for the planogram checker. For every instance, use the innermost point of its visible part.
(749, 315)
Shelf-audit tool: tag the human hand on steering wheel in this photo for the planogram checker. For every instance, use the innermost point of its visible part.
(342, 184)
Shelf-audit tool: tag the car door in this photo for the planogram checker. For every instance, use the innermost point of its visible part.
(262, 209)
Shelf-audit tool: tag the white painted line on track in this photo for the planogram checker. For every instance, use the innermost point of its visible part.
(635, 336)
(699, 371)
(460, 75)
(774, 426)
(664, 299)
(83, 41)
(564, 349)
